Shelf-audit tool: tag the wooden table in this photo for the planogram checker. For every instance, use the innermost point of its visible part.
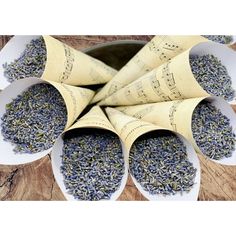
(35, 181)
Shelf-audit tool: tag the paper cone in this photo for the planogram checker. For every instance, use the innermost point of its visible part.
(158, 51)
(94, 119)
(234, 40)
(64, 64)
(130, 128)
(76, 99)
(173, 80)
(230, 44)
(177, 116)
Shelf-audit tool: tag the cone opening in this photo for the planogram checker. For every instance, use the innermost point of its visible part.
(76, 150)
(20, 97)
(159, 183)
(223, 39)
(234, 40)
(22, 57)
(213, 62)
(45, 45)
(213, 127)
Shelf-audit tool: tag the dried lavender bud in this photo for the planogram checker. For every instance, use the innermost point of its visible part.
(31, 63)
(212, 131)
(224, 39)
(92, 164)
(158, 161)
(212, 76)
(34, 119)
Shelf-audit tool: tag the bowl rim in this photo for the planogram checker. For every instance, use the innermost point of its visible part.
(113, 43)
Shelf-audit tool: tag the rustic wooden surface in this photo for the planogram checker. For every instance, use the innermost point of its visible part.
(35, 181)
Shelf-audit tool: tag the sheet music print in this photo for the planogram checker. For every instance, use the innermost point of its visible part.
(141, 64)
(172, 112)
(97, 66)
(128, 132)
(128, 95)
(85, 94)
(96, 120)
(165, 48)
(115, 100)
(74, 100)
(110, 71)
(114, 121)
(69, 63)
(123, 109)
(115, 86)
(157, 89)
(95, 76)
(140, 114)
(169, 79)
(142, 96)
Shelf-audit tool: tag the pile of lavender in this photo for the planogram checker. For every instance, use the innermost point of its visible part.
(31, 63)
(212, 131)
(212, 76)
(92, 164)
(34, 119)
(224, 39)
(159, 163)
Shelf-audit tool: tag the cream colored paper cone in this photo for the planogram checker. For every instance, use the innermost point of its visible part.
(230, 44)
(94, 119)
(177, 116)
(158, 51)
(64, 64)
(76, 99)
(127, 127)
(234, 40)
(173, 80)
(130, 128)
(67, 65)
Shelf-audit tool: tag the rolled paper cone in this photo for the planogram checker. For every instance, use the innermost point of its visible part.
(130, 128)
(94, 119)
(230, 44)
(76, 99)
(234, 40)
(63, 65)
(173, 80)
(177, 116)
(158, 51)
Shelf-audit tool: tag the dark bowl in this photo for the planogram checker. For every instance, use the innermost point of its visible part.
(116, 53)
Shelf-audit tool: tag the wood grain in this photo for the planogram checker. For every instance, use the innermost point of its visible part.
(35, 181)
